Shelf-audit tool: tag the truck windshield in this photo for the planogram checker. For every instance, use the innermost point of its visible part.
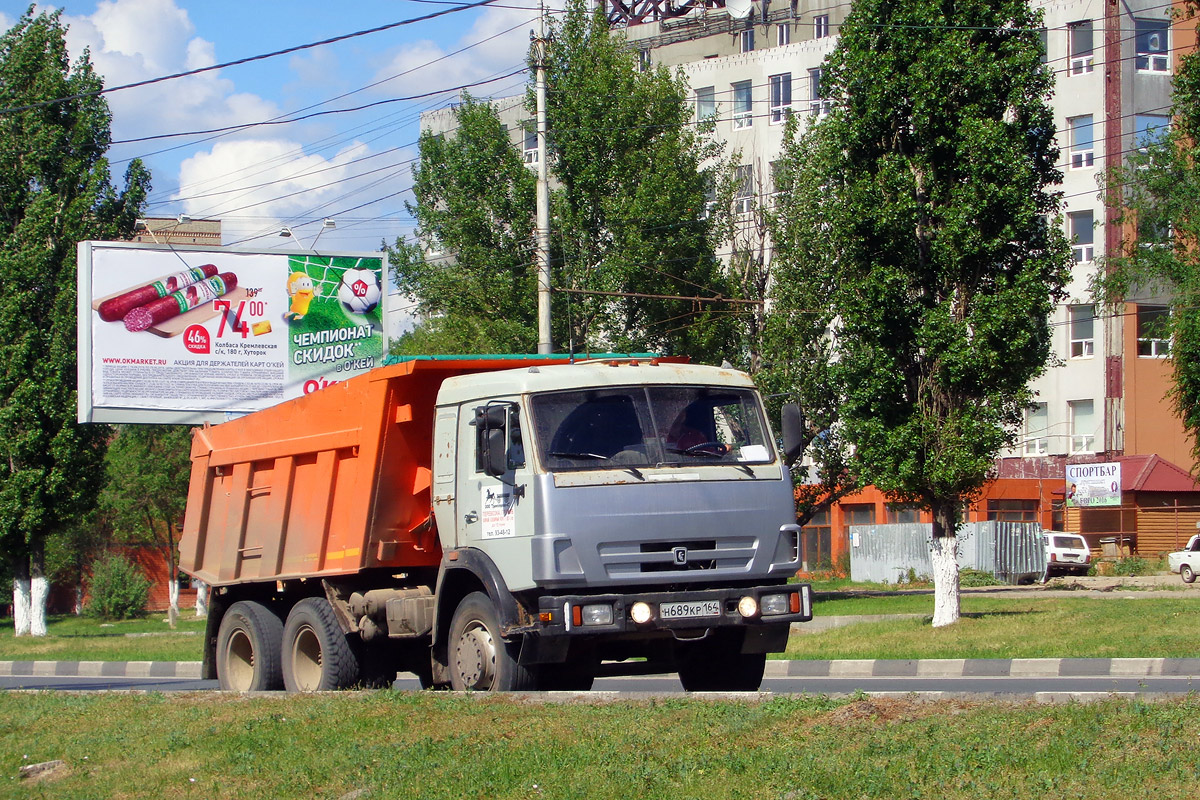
(640, 426)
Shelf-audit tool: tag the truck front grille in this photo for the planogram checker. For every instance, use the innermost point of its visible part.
(625, 559)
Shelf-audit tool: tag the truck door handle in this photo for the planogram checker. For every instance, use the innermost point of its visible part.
(471, 516)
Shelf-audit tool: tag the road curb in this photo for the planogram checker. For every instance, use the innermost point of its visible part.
(867, 668)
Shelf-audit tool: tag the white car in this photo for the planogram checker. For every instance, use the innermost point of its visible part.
(1186, 561)
(1066, 554)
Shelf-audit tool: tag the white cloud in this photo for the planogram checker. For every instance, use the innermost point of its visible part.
(258, 186)
(502, 35)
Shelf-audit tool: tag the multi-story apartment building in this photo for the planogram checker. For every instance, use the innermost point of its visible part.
(751, 63)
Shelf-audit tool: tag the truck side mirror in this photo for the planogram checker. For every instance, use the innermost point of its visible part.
(496, 458)
(792, 424)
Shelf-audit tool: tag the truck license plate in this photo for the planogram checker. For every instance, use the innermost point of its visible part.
(700, 608)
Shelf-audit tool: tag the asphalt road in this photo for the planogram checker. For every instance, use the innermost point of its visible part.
(1007, 687)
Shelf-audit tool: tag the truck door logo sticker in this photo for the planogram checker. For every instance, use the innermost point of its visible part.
(680, 555)
(498, 515)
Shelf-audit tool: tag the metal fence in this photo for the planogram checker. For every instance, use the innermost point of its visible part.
(1012, 551)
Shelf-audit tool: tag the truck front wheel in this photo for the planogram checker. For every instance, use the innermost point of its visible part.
(480, 660)
(248, 649)
(718, 665)
(317, 657)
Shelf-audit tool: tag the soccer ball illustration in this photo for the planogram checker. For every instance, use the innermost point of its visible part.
(359, 290)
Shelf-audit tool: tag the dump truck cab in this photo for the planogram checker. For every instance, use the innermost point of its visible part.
(631, 509)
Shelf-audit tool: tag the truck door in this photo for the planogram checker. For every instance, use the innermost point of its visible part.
(445, 458)
(494, 511)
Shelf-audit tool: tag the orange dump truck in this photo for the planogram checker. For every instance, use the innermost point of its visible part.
(497, 523)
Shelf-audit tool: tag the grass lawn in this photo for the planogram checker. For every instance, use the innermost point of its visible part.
(74, 638)
(1151, 625)
(430, 745)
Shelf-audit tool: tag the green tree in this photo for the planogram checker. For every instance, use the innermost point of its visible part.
(147, 469)
(55, 191)
(919, 250)
(475, 200)
(631, 180)
(1157, 192)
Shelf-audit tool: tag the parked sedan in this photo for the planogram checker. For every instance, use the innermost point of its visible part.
(1186, 561)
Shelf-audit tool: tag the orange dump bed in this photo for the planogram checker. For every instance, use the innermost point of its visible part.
(327, 484)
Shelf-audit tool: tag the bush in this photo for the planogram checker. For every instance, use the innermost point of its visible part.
(976, 577)
(1133, 565)
(117, 589)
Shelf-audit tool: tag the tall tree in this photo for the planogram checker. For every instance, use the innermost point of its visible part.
(55, 191)
(1158, 193)
(147, 469)
(632, 178)
(920, 231)
(635, 175)
(471, 266)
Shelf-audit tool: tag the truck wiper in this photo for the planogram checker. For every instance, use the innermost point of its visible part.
(593, 456)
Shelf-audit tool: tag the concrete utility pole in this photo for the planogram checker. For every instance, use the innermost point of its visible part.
(540, 44)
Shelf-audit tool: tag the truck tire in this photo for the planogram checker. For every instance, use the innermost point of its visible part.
(719, 666)
(317, 656)
(248, 649)
(480, 660)
(1187, 573)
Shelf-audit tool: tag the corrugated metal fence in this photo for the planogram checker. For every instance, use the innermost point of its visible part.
(1012, 551)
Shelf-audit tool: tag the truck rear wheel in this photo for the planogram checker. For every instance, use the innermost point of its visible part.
(480, 660)
(248, 649)
(317, 657)
(717, 665)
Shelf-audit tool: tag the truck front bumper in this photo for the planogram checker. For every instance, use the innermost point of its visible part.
(645, 613)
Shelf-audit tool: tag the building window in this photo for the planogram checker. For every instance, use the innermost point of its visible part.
(1083, 321)
(743, 197)
(820, 26)
(783, 34)
(1012, 510)
(1082, 415)
(706, 102)
(1152, 49)
(816, 106)
(1152, 338)
(818, 535)
(901, 513)
(531, 145)
(1083, 235)
(1083, 154)
(643, 60)
(1037, 426)
(1079, 44)
(746, 41)
(743, 104)
(781, 97)
(1149, 129)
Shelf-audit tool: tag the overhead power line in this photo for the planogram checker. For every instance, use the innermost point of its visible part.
(249, 59)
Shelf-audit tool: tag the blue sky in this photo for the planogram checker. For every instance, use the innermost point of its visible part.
(353, 167)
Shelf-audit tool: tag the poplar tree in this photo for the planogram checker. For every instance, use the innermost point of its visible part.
(55, 191)
(919, 249)
(633, 223)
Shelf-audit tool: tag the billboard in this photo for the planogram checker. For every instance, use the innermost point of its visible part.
(1094, 485)
(189, 335)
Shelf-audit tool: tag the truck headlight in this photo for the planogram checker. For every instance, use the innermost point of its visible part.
(640, 613)
(748, 607)
(774, 604)
(598, 614)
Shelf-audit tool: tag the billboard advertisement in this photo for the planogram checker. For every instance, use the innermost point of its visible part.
(188, 335)
(1094, 485)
